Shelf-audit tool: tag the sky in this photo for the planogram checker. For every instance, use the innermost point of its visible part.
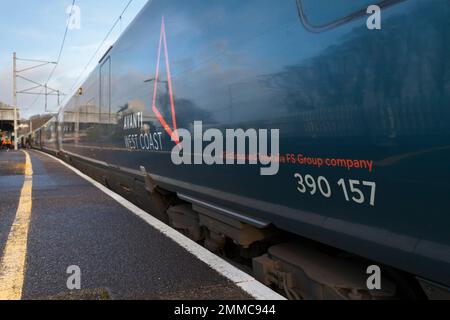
(35, 30)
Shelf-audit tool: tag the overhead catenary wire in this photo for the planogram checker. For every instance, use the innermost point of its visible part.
(58, 60)
(119, 19)
(62, 44)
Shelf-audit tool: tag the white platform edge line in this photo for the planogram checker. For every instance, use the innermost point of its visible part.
(246, 282)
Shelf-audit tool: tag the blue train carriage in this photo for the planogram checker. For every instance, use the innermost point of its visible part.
(45, 138)
(360, 96)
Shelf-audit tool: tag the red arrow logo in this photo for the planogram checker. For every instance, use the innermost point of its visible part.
(170, 131)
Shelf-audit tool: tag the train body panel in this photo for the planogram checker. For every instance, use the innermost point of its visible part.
(363, 115)
(46, 138)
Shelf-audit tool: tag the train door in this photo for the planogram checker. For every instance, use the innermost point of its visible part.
(105, 92)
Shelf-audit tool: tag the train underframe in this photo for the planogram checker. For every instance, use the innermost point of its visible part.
(296, 267)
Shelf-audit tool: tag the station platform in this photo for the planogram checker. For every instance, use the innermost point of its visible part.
(53, 217)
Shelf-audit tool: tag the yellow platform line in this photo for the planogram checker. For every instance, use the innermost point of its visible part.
(12, 266)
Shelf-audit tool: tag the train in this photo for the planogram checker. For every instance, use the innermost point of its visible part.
(358, 93)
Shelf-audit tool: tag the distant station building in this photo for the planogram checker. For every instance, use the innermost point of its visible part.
(7, 121)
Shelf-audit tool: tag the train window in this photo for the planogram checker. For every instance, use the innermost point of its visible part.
(105, 91)
(90, 115)
(321, 15)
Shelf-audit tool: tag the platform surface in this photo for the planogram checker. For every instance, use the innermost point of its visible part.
(73, 223)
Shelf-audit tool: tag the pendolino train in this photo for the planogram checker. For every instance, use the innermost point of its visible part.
(363, 113)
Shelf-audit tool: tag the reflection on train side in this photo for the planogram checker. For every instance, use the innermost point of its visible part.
(86, 125)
